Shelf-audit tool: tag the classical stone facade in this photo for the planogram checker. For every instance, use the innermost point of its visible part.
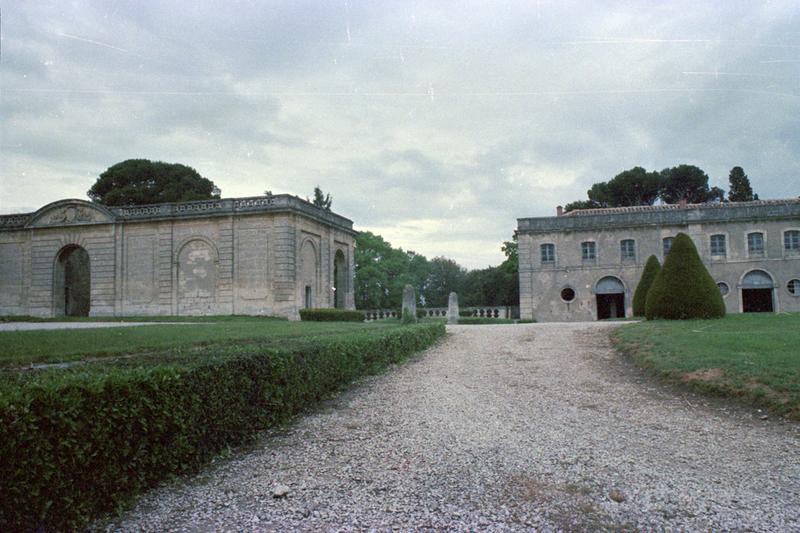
(585, 265)
(266, 255)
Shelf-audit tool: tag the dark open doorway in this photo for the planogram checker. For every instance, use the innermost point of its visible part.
(757, 292)
(610, 306)
(610, 298)
(72, 283)
(757, 300)
(339, 280)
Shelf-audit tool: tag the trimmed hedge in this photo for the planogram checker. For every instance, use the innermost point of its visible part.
(651, 269)
(78, 442)
(683, 288)
(331, 315)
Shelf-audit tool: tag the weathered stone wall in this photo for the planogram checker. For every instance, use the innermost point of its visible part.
(14, 269)
(541, 284)
(238, 256)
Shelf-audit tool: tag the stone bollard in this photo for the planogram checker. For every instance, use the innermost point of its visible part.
(452, 308)
(409, 302)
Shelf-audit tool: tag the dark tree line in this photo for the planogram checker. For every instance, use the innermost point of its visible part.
(382, 271)
(638, 186)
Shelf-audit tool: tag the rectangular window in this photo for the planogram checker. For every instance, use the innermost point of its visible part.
(718, 245)
(667, 244)
(791, 240)
(309, 301)
(548, 253)
(627, 249)
(588, 251)
(755, 243)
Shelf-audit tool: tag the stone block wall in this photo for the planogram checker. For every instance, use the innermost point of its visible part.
(542, 283)
(199, 263)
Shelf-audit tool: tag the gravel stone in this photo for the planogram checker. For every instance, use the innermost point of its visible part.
(280, 491)
(502, 428)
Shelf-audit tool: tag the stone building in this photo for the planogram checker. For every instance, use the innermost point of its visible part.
(585, 265)
(266, 255)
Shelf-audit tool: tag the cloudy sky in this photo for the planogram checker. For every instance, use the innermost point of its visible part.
(434, 124)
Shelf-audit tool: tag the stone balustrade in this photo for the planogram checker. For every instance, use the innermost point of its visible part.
(202, 208)
(380, 314)
(487, 311)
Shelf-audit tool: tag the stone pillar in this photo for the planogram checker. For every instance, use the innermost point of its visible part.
(452, 308)
(409, 301)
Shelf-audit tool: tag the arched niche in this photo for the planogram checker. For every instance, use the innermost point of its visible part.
(196, 267)
(340, 279)
(309, 266)
(72, 282)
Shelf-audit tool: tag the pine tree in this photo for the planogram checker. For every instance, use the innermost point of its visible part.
(323, 201)
(740, 189)
(651, 269)
(683, 288)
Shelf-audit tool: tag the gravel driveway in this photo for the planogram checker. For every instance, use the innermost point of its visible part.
(518, 427)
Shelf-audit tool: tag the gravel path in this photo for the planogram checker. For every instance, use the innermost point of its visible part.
(518, 427)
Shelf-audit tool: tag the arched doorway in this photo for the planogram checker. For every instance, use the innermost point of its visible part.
(308, 271)
(610, 294)
(757, 292)
(72, 282)
(339, 280)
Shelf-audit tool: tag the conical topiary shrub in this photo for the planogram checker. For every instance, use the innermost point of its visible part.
(651, 268)
(683, 288)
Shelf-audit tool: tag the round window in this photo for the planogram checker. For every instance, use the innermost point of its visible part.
(567, 294)
(723, 288)
(793, 287)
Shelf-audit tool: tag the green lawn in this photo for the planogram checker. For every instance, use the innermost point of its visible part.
(18, 348)
(755, 357)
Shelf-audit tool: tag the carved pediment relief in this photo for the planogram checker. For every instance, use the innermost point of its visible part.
(70, 212)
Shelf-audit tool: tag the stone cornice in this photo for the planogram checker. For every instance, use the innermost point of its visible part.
(673, 215)
(77, 212)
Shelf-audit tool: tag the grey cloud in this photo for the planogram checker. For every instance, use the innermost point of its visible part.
(411, 114)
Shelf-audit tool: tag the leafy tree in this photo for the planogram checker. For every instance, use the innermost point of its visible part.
(445, 276)
(582, 204)
(381, 272)
(684, 182)
(683, 288)
(323, 201)
(716, 194)
(509, 294)
(635, 186)
(141, 182)
(740, 189)
(511, 250)
(371, 278)
(494, 285)
(600, 194)
(651, 268)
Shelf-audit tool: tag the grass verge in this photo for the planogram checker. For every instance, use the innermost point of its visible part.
(82, 441)
(20, 348)
(751, 357)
